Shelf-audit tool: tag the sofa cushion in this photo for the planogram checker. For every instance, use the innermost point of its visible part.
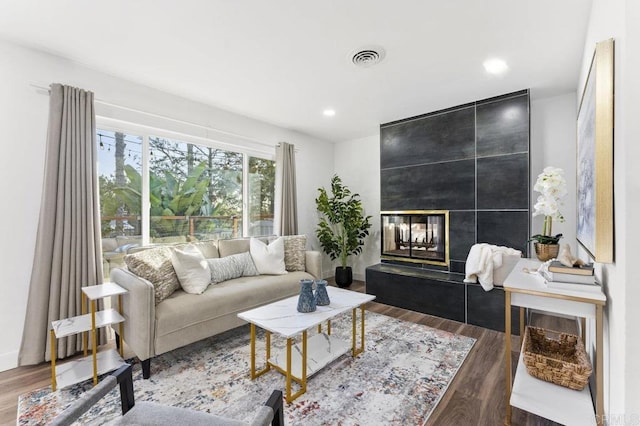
(182, 310)
(191, 268)
(269, 259)
(234, 246)
(294, 252)
(209, 249)
(245, 263)
(155, 266)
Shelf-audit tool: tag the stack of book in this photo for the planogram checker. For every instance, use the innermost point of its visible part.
(579, 278)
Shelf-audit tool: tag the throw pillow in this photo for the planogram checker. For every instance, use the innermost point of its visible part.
(294, 252)
(191, 268)
(269, 259)
(245, 263)
(155, 266)
(223, 269)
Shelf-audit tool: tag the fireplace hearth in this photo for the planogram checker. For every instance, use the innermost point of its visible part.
(417, 236)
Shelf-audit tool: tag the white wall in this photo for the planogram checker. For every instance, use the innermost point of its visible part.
(618, 19)
(357, 162)
(23, 121)
(553, 143)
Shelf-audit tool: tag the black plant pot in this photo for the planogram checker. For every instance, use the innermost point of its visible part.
(344, 276)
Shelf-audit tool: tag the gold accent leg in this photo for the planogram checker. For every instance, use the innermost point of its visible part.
(507, 352)
(121, 327)
(329, 327)
(583, 325)
(83, 310)
(599, 368)
(94, 341)
(319, 328)
(54, 383)
(304, 365)
(288, 375)
(521, 325)
(254, 374)
(355, 350)
(353, 333)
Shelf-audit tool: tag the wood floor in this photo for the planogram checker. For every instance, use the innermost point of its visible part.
(475, 397)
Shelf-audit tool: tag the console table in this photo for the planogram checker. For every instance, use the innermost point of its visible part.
(554, 402)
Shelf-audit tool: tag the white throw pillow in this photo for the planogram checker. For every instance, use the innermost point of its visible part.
(269, 259)
(191, 268)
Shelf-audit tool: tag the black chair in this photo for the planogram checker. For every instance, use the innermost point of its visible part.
(150, 413)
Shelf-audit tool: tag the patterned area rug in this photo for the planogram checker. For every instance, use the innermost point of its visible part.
(399, 379)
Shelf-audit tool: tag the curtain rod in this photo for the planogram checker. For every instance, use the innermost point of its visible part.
(152, 114)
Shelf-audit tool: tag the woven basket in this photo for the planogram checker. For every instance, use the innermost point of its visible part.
(556, 357)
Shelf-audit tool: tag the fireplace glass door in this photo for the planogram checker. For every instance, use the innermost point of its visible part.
(416, 236)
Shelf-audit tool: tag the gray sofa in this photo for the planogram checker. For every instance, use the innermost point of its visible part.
(184, 318)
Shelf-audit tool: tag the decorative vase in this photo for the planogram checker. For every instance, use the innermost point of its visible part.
(545, 252)
(322, 297)
(344, 276)
(306, 300)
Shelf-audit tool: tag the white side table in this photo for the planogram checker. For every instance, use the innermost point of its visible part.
(86, 367)
(553, 402)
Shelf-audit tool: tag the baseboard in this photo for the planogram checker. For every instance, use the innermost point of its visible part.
(8, 360)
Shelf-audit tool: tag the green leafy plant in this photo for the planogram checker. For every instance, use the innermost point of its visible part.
(343, 225)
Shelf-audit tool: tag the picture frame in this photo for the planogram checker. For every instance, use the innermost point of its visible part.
(594, 160)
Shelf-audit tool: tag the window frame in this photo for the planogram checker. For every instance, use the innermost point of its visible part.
(145, 132)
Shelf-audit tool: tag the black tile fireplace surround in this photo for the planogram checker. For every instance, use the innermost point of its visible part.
(472, 161)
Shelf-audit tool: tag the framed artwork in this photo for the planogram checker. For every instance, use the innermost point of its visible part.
(595, 157)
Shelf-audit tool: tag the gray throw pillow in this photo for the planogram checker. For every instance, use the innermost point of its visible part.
(245, 263)
(155, 266)
(223, 269)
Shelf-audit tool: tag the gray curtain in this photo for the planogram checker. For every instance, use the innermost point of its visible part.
(286, 210)
(67, 254)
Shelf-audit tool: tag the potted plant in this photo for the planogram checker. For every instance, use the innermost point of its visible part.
(552, 187)
(342, 228)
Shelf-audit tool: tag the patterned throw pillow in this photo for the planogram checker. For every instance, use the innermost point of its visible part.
(155, 266)
(223, 269)
(294, 252)
(245, 263)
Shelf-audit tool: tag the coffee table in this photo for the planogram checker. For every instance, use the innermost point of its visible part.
(312, 353)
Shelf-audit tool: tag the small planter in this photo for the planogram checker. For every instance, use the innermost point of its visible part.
(545, 252)
(344, 276)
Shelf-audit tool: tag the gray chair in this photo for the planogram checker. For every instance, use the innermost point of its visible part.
(149, 413)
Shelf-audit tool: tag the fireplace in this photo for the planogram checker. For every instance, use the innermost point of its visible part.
(418, 236)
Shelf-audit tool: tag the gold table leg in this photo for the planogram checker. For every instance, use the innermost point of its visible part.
(83, 310)
(255, 373)
(302, 381)
(521, 325)
(355, 351)
(94, 341)
(121, 327)
(54, 383)
(507, 352)
(329, 327)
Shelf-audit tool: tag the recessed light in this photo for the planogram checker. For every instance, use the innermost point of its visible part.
(495, 66)
(329, 112)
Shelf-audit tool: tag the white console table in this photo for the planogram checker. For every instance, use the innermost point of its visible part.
(554, 402)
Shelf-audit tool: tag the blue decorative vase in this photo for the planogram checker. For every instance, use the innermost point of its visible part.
(322, 297)
(306, 300)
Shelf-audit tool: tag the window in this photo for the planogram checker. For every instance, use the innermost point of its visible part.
(195, 192)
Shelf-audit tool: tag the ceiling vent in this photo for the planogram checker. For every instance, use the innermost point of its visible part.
(367, 57)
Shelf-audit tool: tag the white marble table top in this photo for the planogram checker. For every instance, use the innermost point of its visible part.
(95, 292)
(283, 318)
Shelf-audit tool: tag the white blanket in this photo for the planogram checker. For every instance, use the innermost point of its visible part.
(483, 259)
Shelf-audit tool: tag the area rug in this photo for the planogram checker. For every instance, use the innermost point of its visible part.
(399, 379)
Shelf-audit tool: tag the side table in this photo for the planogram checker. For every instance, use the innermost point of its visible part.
(78, 370)
(548, 400)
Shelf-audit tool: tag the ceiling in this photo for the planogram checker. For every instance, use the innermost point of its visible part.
(285, 61)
